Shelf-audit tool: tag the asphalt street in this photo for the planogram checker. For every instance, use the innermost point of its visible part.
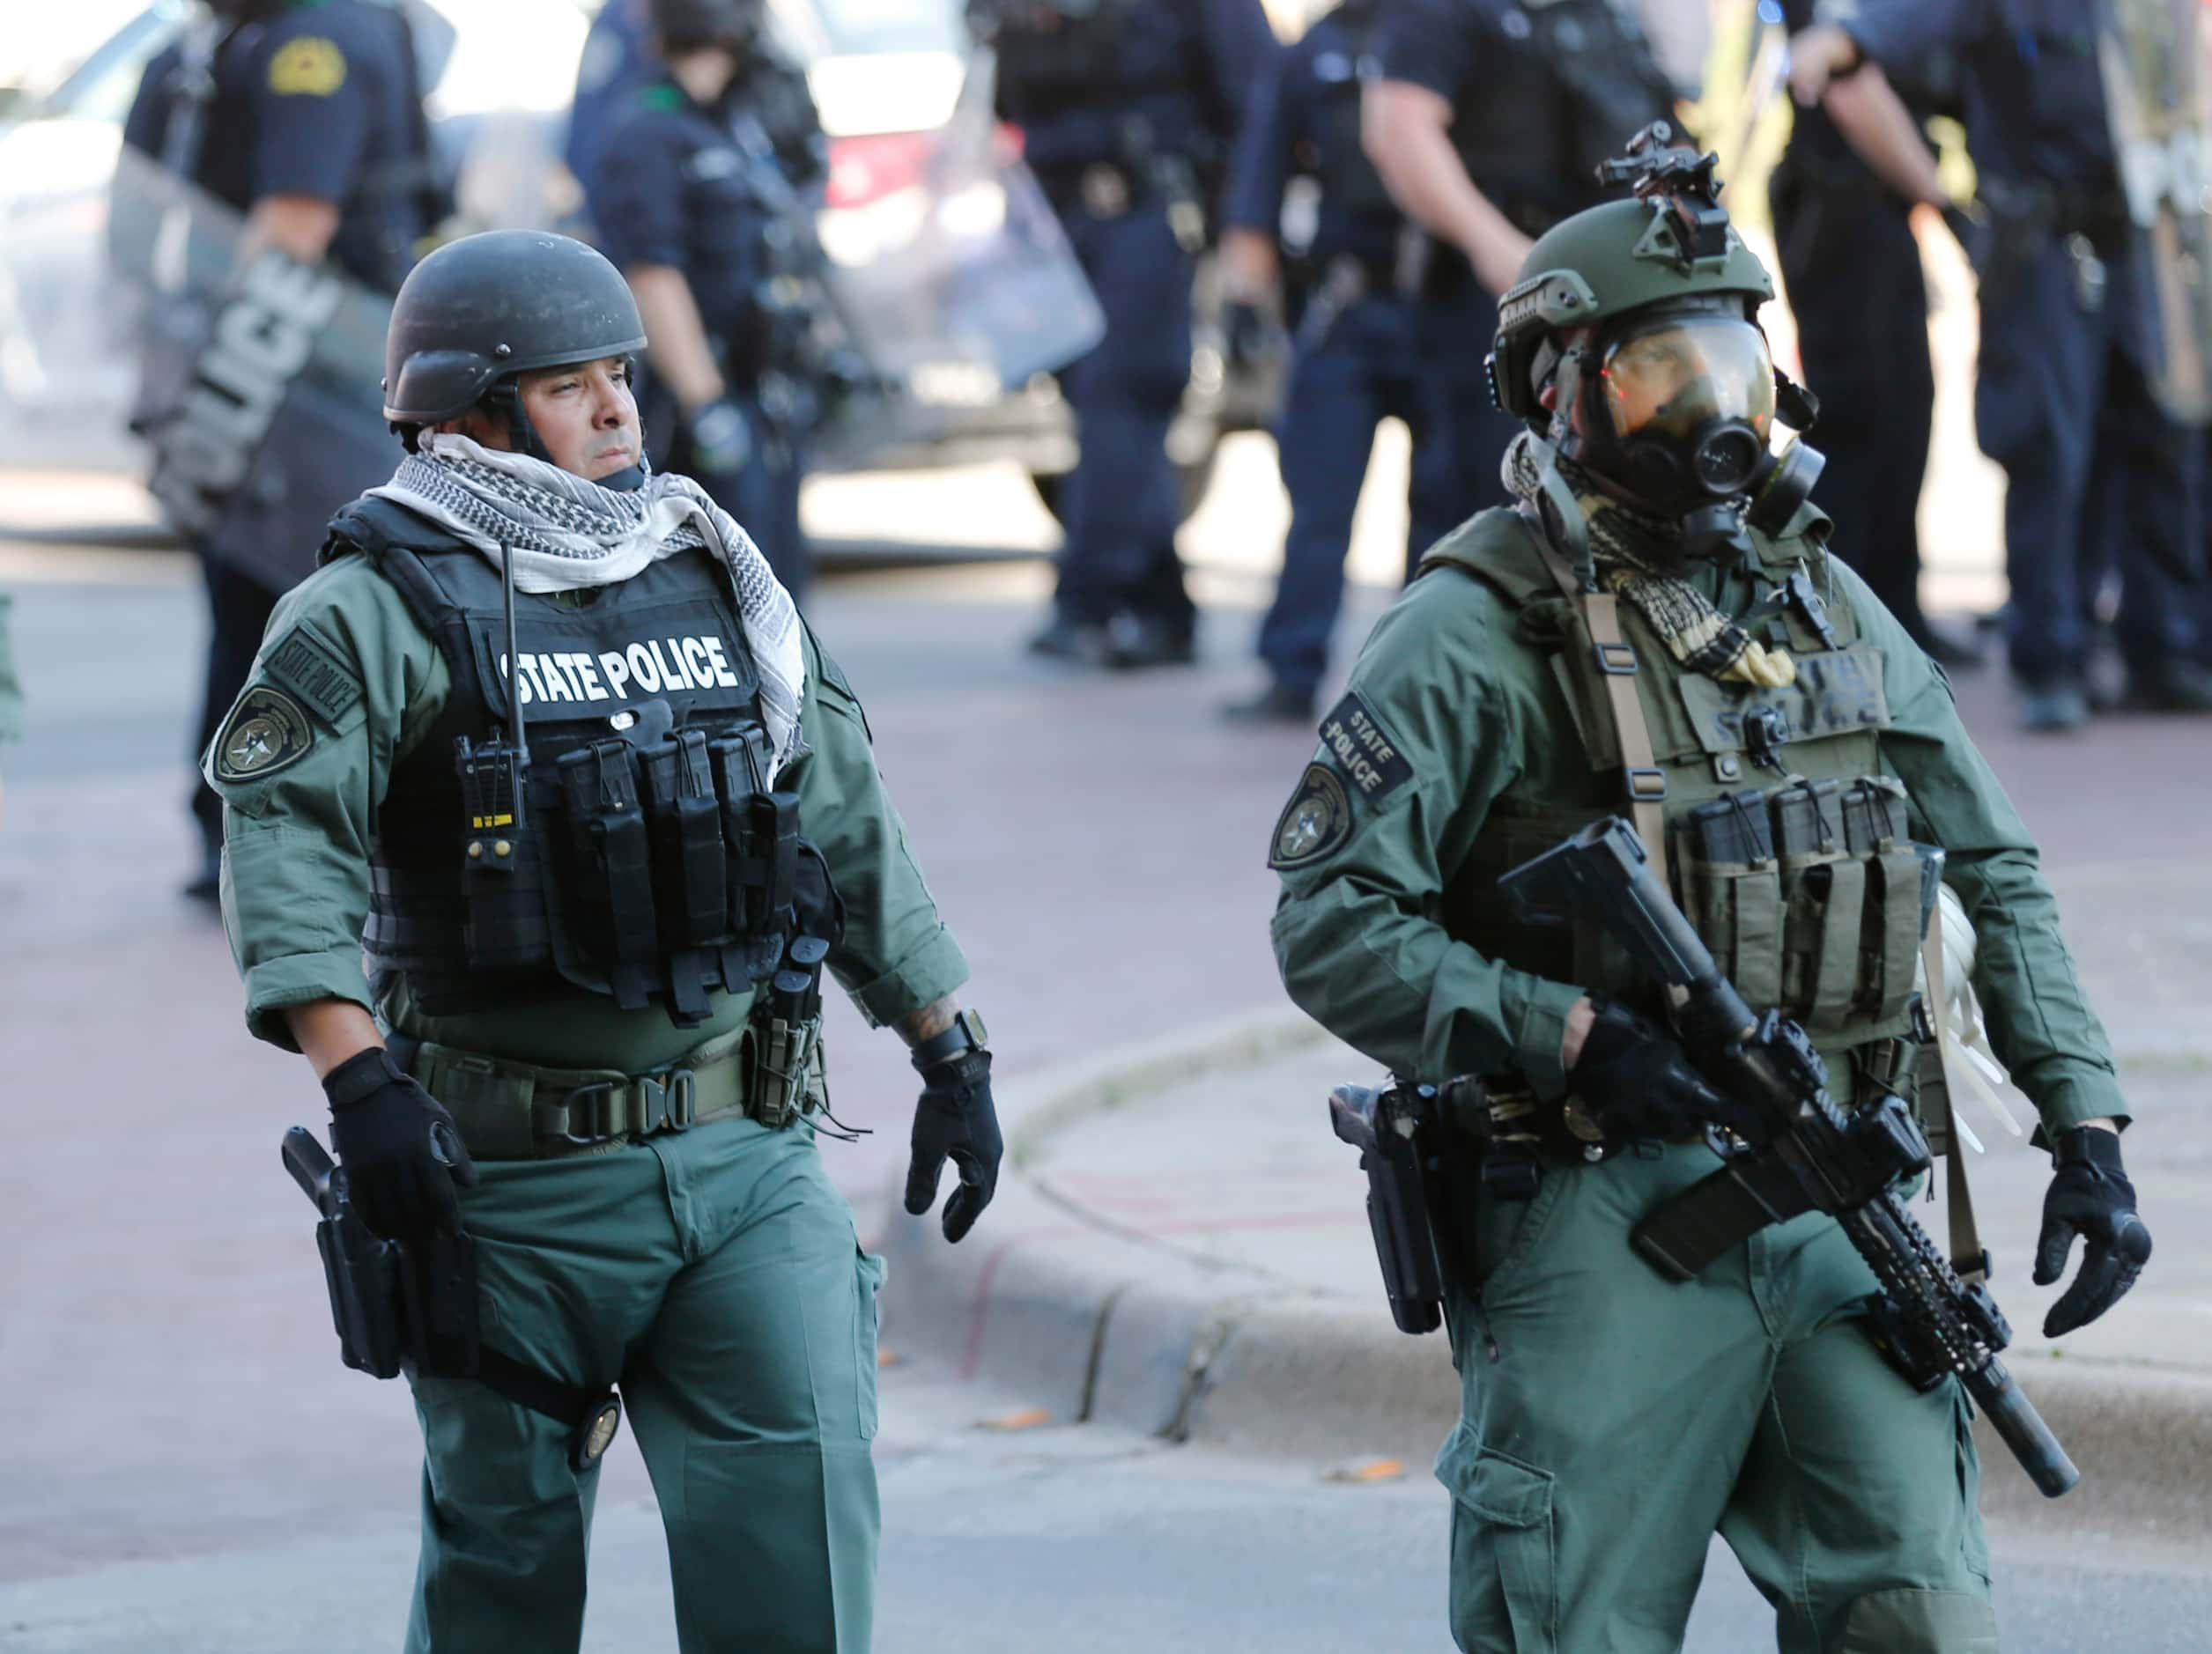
(1053, 1540)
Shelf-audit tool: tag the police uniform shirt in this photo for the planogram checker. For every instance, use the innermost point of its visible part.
(618, 62)
(1529, 130)
(1187, 71)
(2029, 81)
(1305, 103)
(307, 102)
(1813, 137)
(670, 189)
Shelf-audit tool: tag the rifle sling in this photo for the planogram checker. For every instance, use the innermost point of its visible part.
(1613, 663)
(1968, 1258)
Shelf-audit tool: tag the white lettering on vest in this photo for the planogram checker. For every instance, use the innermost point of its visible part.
(617, 674)
(724, 675)
(695, 662)
(645, 671)
(594, 690)
(672, 677)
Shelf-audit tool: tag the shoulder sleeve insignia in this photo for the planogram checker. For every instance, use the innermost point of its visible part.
(309, 67)
(266, 731)
(1365, 751)
(315, 672)
(1315, 822)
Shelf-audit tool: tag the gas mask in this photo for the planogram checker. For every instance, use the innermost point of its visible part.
(1677, 408)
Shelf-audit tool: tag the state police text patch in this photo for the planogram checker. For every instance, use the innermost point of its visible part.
(267, 731)
(315, 672)
(1363, 749)
(1316, 821)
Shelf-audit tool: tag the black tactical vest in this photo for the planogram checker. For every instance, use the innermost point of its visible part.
(630, 842)
(1349, 183)
(1571, 81)
(1075, 54)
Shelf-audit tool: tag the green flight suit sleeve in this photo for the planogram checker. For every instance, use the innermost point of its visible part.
(896, 955)
(1358, 931)
(2040, 1022)
(364, 683)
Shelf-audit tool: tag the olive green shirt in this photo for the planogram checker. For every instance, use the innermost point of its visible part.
(1473, 706)
(297, 841)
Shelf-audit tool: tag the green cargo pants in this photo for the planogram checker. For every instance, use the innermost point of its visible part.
(1612, 1421)
(716, 1272)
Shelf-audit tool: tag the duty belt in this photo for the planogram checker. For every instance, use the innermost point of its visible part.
(515, 1110)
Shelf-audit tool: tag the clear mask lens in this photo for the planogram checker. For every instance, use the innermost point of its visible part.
(1683, 374)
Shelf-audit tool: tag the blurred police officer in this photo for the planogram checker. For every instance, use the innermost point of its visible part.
(618, 62)
(594, 870)
(307, 117)
(1355, 329)
(1487, 123)
(1128, 109)
(681, 207)
(2071, 348)
(1851, 267)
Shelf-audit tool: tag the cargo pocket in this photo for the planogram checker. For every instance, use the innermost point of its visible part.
(1505, 1584)
(1824, 910)
(867, 1321)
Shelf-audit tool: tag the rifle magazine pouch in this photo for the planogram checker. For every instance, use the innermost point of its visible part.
(1824, 898)
(690, 862)
(1733, 891)
(1895, 925)
(613, 883)
(787, 1080)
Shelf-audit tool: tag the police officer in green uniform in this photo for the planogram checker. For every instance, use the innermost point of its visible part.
(546, 741)
(1655, 630)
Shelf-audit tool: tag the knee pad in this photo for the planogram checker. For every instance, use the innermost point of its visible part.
(1906, 1621)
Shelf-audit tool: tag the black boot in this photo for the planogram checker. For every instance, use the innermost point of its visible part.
(1277, 704)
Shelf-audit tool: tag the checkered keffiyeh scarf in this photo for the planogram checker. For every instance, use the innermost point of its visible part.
(1625, 544)
(566, 532)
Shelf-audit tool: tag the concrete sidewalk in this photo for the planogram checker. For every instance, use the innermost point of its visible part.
(1181, 1245)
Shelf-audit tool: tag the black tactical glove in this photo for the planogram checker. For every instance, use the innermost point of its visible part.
(721, 441)
(2089, 1196)
(1636, 1080)
(955, 1118)
(401, 1151)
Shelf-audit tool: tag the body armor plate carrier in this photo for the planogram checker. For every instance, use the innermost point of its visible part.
(626, 841)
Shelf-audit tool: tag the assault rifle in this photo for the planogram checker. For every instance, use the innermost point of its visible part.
(1815, 1155)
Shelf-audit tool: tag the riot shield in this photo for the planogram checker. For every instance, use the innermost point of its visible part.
(2147, 51)
(956, 282)
(260, 382)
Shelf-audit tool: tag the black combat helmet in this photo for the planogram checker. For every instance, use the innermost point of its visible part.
(480, 310)
(686, 25)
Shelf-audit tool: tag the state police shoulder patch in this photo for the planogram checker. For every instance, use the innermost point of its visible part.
(1367, 753)
(266, 731)
(1315, 822)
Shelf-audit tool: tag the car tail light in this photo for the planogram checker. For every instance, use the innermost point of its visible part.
(869, 166)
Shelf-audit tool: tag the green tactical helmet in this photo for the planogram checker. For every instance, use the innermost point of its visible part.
(1671, 241)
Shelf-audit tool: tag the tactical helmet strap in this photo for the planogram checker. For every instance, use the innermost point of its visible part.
(1573, 532)
(505, 399)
